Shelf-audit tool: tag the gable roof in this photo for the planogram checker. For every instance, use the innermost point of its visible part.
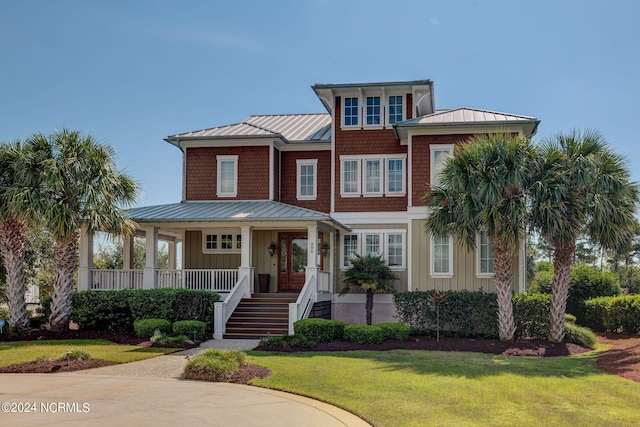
(470, 116)
(288, 127)
(228, 211)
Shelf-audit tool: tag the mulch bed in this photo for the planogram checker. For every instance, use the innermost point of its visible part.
(623, 358)
(52, 366)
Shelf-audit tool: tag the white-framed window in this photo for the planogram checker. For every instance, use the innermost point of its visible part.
(439, 153)
(373, 175)
(395, 109)
(388, 243)
(484, 256)
(373, 116)
(307, 179)
(227, 179)
(350, 111)
(395, 182)
(441, 256)
(350, 177)
(221, 241)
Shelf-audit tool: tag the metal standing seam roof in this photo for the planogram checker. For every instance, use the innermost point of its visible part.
(291, 127)
(463, 116)
(225, 211)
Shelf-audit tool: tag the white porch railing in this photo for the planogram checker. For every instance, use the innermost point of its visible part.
(207, 280)
(324, 282)
(303, 305)
(115, 280)
(222, 311)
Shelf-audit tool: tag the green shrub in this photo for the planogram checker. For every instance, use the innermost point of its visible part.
(146, 328)
(319, 330)
(117, 310)
(462, 314)
(76, 354)
(166, 339)
(579, 335)
(394, 331)
(614, 314)
(569, 318)
(531, 315)
(542, 282)
(189, 327)
(287, 341)
(4, 313)
(214, 365)
(364, 334)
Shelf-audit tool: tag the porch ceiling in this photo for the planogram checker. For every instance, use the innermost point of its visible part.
(229, 211)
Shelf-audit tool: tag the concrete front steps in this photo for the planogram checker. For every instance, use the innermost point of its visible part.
(260, 316)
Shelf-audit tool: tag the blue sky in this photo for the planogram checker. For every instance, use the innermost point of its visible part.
(132, 72)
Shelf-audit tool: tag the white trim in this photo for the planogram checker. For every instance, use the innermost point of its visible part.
(432, 149)
(381, 162)
(384, 173)
(479, 273)
(371, 217)
(299, 164)
(404, 106)
(403, 190)
(343, 160)
(432, 273)
(383, 234)
(303, 146)
(272, 150)
(359, 112)
(218, 233)
(409, 173)
(381, 113)
(224, 159)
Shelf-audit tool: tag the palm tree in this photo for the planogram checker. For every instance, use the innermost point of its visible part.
(580, 186)
(371, 274)
(80, 186)
(482, 189)
(13, 234)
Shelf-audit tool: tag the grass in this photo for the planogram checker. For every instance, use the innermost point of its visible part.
(28, 351)
(430, 388)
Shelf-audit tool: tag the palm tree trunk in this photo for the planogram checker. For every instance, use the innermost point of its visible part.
(562, 261)
(503, 277)
(369, 306)
(13, 235)
(66, 257)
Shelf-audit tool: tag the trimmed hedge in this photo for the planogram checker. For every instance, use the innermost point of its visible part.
(189, 327)
(579, 335)
(145, 328)
(462, 314)
(614, 314)
(117, 310)
(287, 341)
(531, 314)
(364, 334)
(394, 331)
(319, 330)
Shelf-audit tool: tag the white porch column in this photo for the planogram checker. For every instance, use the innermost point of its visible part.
(312, 253)
(151, 258)
(86, 259)
(172, 254)
(127, 253)
(246, 262)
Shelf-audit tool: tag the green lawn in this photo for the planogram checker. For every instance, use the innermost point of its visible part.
(27, 351)
(423, 388)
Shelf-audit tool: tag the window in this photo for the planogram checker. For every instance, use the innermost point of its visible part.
(395, 250)
(306, 188)
(388, 243)
(350, 177)
(395, 109)
(373, 111)
(439, 153)
(484, 260)
(350, 248)
(223, 241)
(441, 256)
(389, 170)
(372, 244)
(373, 176)
(395, 176)
(350, 112)
(227, 176)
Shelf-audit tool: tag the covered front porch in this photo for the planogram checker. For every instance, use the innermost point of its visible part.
(234, 248)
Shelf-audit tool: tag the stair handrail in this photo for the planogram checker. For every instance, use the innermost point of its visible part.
(223, 310)
(302, 307)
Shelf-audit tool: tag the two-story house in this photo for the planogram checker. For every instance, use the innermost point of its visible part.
(274, 206)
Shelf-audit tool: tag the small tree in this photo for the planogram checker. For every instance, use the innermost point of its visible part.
(372, 275)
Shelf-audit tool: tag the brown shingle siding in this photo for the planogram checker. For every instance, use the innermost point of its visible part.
(289, 173)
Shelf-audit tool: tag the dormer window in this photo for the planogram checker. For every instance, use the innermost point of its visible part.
(373, 111)
(395, 109)
(351, 112)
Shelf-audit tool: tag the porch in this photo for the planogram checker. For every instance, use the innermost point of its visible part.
(295, 251)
